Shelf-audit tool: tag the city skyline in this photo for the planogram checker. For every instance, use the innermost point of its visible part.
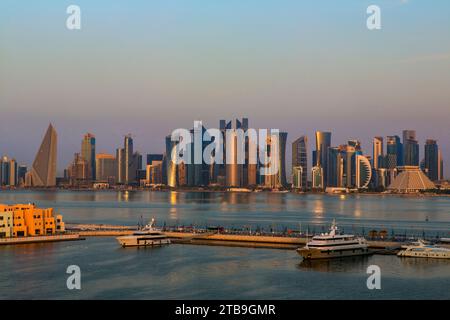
(312, 147)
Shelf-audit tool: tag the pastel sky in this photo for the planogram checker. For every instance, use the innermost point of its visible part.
(148, 67)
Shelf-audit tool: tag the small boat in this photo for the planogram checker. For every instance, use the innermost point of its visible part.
(334, 245)
(420, 249)
(147, 236)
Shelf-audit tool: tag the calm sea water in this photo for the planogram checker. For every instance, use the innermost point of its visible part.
(212, 272)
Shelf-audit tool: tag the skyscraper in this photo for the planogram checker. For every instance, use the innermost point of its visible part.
(394, 152)
(276, 151)
(410, 148)
(43, 171)
(363, 172)
(432, 160)
(323, 142)
(236, 174)
(441, 166)
(300, 158)
(377, 152)
(88, 154)
(21, 174)
(128, 163)
(120, 166)
(4, 171)
(171, 166)
(336, 166)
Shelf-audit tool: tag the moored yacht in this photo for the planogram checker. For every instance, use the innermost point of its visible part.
(147, 236)
(334, 245)
(421, 250)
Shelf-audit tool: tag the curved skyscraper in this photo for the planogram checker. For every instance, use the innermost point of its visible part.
(363, 172)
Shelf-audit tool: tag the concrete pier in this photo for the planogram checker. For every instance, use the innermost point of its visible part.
(40, 239)
(224, 239)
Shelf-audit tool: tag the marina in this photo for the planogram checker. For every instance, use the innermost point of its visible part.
(214, 238)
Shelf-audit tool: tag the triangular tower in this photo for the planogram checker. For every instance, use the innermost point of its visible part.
(43, 171)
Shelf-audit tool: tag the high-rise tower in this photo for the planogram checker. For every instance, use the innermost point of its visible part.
(43, 171)
(377, 152)
(88, 154)
(323, 142)
(410, 148)
(300, 158)
(432, 161)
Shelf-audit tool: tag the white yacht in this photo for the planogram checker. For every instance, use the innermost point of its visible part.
(147, 236)
(334, 245)
(421, 250)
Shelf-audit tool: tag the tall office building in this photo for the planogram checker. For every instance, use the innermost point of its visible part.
(154, 172)
(8, 172)
(43, 171)
(120, 166)
(21, 174)
(410, 148)
(236, 174)
(350, 166)
(171, 166)
(441, 165)
(432, 161)
(300, 158)
(336, 157)
(276, 151)
(377, 152)
(88, 154)
(394, 152)
(128, 163)
(105, 165)
(323, 142)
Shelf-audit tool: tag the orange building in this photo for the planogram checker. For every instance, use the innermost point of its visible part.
(31, 221)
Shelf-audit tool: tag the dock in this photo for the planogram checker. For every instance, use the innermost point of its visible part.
(224, 239)
(40, 239)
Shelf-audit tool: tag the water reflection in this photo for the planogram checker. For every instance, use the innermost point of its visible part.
(335, 265)
(318, 207)
(173, 197)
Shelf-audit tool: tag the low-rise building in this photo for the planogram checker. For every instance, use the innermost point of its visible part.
(27, 220)
(6, 223)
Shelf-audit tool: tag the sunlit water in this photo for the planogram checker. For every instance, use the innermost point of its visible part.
(211, 272)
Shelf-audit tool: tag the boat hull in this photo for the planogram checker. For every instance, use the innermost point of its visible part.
(313, 254)
(429, 255)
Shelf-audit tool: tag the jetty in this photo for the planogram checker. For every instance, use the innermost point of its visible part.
(40, 239)
(223, 238)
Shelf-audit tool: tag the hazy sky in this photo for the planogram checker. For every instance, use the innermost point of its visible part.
(147, 67)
